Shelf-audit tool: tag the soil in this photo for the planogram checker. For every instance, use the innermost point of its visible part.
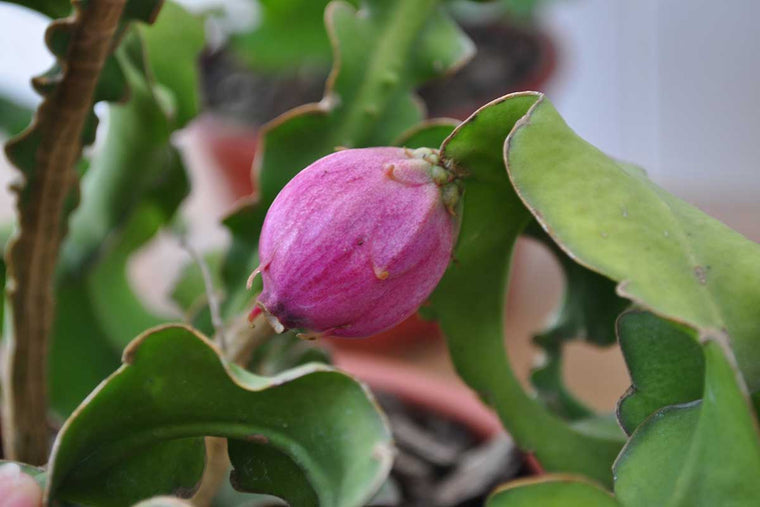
(441, 462)
(509, 57)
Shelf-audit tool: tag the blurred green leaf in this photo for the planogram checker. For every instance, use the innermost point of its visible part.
(13, 117)
(265, 468)
(50, 8)
(427, 134)
(189, 291)
(551, 491)
(382, 53)
(134, 156)
(600, 425)
(173, 44)
(469, 301)
(170, 466)
(699, 454)
(81, 353)
(667, 256)
(290, 35)
(313, 422)
(97, 310)
(134, 187)
(284, 352)
(665, 362)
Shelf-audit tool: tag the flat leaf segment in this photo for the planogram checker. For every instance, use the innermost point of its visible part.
(312, 425)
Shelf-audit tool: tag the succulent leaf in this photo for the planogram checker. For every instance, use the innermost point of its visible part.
(694, 270)
(145, 421)
(469, 301)
(698, 454)
(666, 364)
(552, 491)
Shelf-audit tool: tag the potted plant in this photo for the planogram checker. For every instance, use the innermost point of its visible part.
(365, 210)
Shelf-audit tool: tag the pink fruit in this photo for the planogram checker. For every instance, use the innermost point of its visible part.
(357, 241)
(18, 489)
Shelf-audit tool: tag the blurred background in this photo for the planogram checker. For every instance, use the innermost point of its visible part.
(672, 86)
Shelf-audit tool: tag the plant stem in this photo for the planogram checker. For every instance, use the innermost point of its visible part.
(33, 254)
(385, 72)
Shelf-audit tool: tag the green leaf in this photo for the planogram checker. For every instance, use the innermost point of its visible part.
(665, 362)
(668, 257)
(97, 310)
(135, 152)
(284, 352)
(244, 225)
(50, 8)
(700, 454)
(427, 134)
(469, 301)
(264, 468)
(290, 35)
(81, 353)
(133, 188)
(173, 44)
(551, 491)
(172, 466)
(13, 117)
(174, 386)
(382, 53)
(588, 312)
(189, 291)
(600, 426)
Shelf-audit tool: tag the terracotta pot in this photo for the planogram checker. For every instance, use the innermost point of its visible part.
(409, 336)
(231, 147)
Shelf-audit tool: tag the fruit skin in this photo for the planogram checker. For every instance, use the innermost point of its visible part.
(357, 241)
(18, 489)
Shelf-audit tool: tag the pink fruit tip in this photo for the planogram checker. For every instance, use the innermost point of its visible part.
(357, 241)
